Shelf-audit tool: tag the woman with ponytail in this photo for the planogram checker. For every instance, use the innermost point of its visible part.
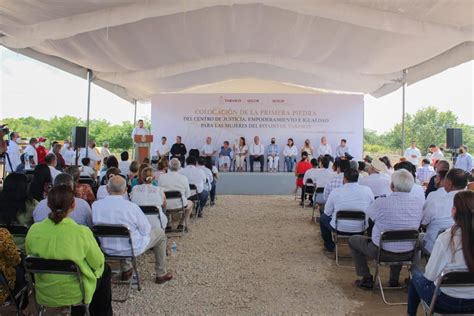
(454, 249)
(148, 194)
(60, 237)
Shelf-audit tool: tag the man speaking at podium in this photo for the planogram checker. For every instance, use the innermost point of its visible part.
(142, 140)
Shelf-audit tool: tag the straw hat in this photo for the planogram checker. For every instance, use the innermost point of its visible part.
(379, 166)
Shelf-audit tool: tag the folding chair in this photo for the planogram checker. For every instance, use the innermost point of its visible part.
(318, 201)
(175, 195)
(121, 232)
(86, 180)
(12, 300)
(300, 176)
(449, 278)
(308, 189)
(152, 211)
(195, 199)
(36, 265)
(399, 236)
(345, 215)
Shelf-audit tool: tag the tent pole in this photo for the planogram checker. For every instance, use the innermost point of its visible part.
(134, 123)
(404, 83)
(89, 81)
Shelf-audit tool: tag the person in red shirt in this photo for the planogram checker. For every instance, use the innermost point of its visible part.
(41, 150)
(301, 167)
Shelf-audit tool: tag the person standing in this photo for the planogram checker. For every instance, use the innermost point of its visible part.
(41, 150)
(290, 152)
(413, 154)
(61, 165)
(178, 150)
(163, 149)
(435, 154)
(324, 148)
(463, 161)
(104, 151)
(93, 155)
(13, 151)
(31, 153)
(257, 152)
(342, 149)
(140, 130)
(273, 154)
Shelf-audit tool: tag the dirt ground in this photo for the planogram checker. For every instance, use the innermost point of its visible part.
(254, 255)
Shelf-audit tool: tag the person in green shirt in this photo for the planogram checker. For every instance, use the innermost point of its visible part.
(59, 237)
(16, 205)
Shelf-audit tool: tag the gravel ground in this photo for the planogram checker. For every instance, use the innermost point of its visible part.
(248, 255)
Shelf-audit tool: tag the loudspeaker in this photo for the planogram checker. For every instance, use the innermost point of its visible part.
(453, 138)
(79, 135)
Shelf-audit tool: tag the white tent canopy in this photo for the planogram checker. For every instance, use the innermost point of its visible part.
(140, 48)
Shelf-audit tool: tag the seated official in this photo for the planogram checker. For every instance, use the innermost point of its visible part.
(86, 170)
(148, 194)
(41, 182)
(339, 167)
(12, 269)
(102, 192)
(256, 153)
(453, 250)
(114, 210)
(401, 210)
(59, 237)
(208, 150)
(241, 150)
(16, 205)
(82, 210)
(378, 179)
(81, 190)
(273, 155)
(225, 156)
(174, 181)
(178, 150)
(290, 153)
(437, 214)
(350, 197)
(301, 167)
(425, 172)
(198, 178)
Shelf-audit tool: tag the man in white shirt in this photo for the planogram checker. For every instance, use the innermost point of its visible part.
(114, 210)
(257, 153)
(173, 181)
(464, 160)
(209, 176)
(339, 167)
(413, 154)
(425, 172)
(140, 130)
(208, 150)
(30, 152)
(320, 176)
(198, 178)
(68, 153)
(437, 214)
(342, 149)
(163, 149)
(400, 210)
(124, 164)
(104, 151)
(435, 154)
(350, 197)
(92, 154)
(324, 148)
(86, 170)
(51, 161)
(13, 152)
(439, 185)
(378, 180)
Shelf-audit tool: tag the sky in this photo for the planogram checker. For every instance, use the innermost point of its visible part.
(31, 88)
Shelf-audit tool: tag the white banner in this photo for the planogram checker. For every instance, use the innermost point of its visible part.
(230, 116)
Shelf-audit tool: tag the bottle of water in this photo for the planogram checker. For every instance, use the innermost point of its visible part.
(27, 162)
(174, 248)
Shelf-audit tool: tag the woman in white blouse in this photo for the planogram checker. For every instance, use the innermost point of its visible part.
(241, 150)
(308, 149)
(147, 194)
(290, 152)
(454, 249)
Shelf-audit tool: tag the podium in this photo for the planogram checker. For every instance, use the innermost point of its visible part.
(142, 147)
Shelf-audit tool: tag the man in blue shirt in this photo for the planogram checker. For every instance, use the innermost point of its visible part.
(464, 160)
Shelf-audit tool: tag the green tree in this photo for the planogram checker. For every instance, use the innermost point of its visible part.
(60, 128)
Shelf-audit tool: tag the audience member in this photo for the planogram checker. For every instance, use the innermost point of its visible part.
(41, 182)
(454, 248)
(301, 167)
(86, 171)
(339, 167)
(378, 179)
(114, 210)
(133, 170)
(400, 210)
(320, 176)
(102, 192)
(124, 164)
(174, 181)
(112, 162)
(198, 178)
(417, 190)
(61, 163)
(68, 153)
(201, 165)
(16, 205)
(41, 150)
(241, 151)
(413, 154)
(425, 172)
(92, 153)
(273, 155)
(438, 166)
(51, 161)
(82, 210)
(215, 176)
(290, 153)
(388, 164)
(60, 237)
(439, 183)
(350, 197)
(437, 210)
(362, 168)
(178, 150)
(81, 190)
(324, 148)
(225, 155)
(257, 153)
(464, 160)
(104, 151)
(162, 168)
